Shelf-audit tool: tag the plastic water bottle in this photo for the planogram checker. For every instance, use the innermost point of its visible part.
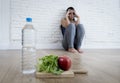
(28, 48)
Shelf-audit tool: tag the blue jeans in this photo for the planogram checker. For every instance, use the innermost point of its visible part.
(73, 36)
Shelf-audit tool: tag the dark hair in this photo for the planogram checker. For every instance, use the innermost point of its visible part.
(71, 8)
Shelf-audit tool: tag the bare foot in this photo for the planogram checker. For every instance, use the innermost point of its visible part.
(80, 51)
(72, 50)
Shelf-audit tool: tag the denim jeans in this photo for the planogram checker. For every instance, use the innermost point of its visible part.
(73, 36)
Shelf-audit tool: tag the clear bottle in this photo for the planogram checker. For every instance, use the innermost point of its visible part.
(28, 48)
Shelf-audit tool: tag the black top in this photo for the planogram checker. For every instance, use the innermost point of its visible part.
(62, 30)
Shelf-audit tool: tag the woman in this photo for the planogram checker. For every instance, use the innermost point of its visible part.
(72, 30)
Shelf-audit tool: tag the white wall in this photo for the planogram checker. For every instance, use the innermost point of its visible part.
(100, 18)
(4, 24)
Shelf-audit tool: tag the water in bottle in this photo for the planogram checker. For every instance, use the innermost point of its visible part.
(28, 48)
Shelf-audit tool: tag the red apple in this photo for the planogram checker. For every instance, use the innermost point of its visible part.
(64, 62)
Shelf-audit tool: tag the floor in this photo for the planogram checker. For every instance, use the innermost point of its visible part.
(103, 66)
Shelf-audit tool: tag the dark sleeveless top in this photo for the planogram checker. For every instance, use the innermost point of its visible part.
(62, 30)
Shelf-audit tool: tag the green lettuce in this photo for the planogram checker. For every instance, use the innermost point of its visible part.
(48, 64)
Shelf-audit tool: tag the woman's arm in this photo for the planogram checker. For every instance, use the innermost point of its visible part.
(67, 19)
(63, 22)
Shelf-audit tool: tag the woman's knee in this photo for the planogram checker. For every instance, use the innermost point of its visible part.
(80, 27)
(71, 25)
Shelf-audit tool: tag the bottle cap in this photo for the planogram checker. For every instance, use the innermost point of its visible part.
(29, 19)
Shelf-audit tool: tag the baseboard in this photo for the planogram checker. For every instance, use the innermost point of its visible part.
(49, 46)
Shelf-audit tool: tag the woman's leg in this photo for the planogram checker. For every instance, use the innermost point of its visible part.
(79, 36)
(68, 39)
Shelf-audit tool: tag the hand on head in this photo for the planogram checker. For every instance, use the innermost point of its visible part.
(67, 14)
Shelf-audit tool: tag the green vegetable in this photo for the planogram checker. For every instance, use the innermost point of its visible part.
(48, 64)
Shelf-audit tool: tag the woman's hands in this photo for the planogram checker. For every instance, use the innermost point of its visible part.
(67, 18)
(78, 19)
(67, 14)
(76, 15)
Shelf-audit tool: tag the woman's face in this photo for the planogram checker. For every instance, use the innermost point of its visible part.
(71, 14)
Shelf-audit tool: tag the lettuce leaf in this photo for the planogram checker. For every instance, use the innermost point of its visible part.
(48, 64)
